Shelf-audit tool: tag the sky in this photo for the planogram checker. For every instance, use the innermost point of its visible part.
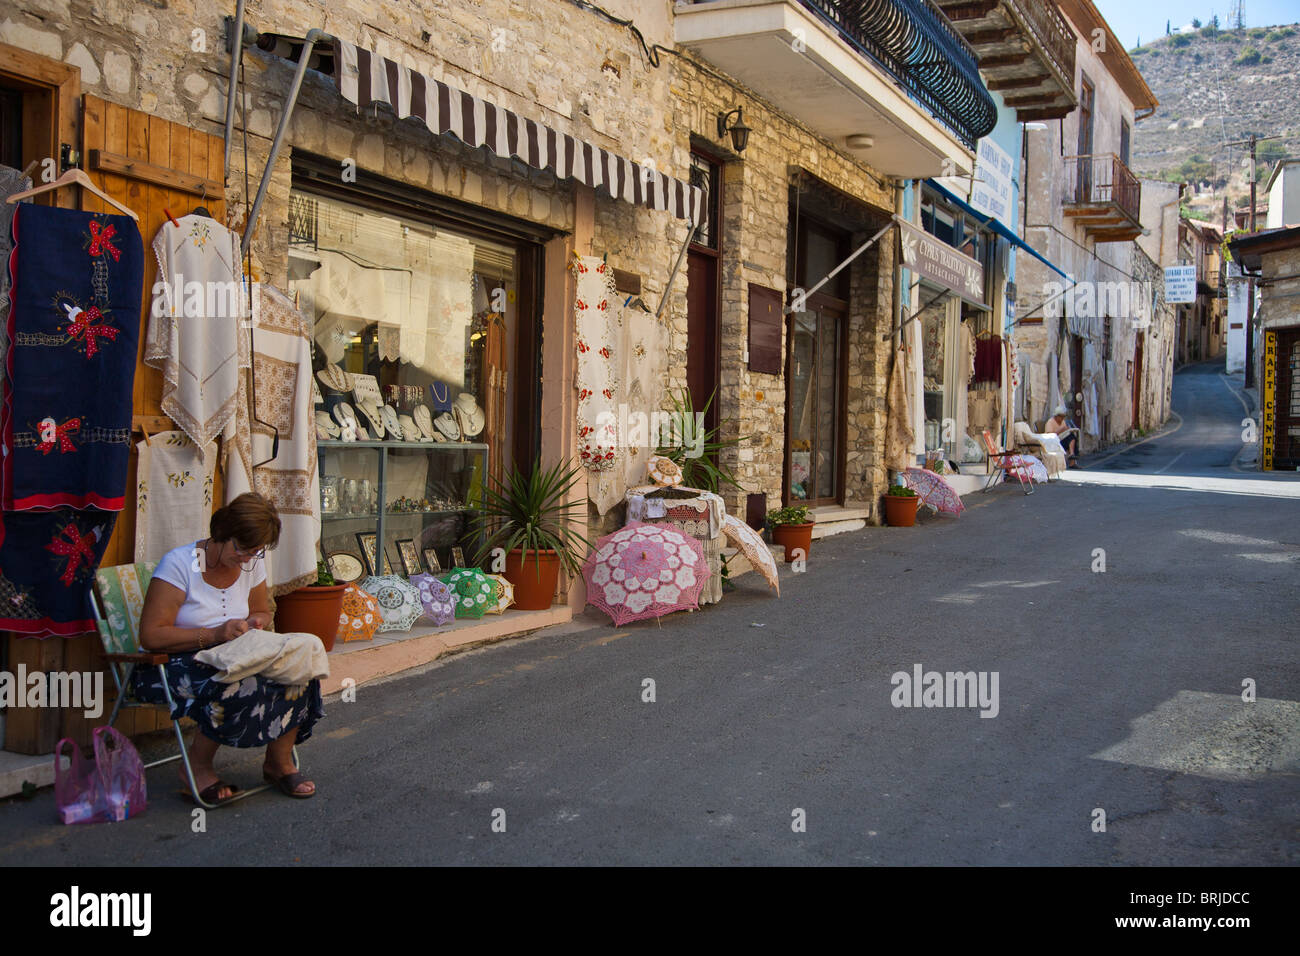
(1131, 19)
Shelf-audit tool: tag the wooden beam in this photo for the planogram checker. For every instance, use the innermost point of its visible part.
(1018, 82)
(978, 37)
(1037, 99)
(158, 175)
(1003, 59)
(969, 10)
(1050, 113)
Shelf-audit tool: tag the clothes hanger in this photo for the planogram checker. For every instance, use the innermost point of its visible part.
(74, 177)
(201, 210)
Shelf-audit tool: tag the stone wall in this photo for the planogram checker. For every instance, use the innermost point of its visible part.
(755, 236)
(549, 60)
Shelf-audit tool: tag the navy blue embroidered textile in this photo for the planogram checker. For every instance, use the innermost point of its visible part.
(47, 562)
(248, 713)
(73, 329)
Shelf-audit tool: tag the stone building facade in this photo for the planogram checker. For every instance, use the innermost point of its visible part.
(580, 73)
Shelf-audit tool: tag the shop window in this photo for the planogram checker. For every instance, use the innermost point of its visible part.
(433, 319)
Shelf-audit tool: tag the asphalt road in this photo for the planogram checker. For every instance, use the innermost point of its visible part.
(1119, 692)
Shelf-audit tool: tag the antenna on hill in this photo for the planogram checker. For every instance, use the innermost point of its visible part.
(1238, 14)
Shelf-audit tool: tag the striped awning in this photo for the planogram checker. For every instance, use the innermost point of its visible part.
(364, 77)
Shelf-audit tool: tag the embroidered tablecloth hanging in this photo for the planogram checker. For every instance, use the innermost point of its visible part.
(73, 327)
(597, 367)
(47, 560)
(194, 325)
(173, 493)
(282, 368)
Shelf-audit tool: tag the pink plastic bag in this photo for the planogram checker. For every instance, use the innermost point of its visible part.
(112, 789)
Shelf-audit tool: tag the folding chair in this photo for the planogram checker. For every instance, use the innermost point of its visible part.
(1006, 463)
(118, 599)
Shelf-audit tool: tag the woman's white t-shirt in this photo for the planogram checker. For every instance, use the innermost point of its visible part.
(205, 605)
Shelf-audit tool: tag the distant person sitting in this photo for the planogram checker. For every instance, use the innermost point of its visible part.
(1067, 432)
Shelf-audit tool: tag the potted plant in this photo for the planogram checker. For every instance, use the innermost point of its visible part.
(792, 529)
(695, 447)
(900, 506)
(530, 516)
(314, 609)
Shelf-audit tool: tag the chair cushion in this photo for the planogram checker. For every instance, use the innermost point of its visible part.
(121, 591)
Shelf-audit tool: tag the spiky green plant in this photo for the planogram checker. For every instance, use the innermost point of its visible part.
(695, 447)
(530, 511)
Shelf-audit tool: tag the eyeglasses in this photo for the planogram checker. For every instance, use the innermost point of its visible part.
(248, 555)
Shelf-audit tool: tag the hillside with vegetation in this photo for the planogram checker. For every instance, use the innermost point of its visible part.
(1217, 86)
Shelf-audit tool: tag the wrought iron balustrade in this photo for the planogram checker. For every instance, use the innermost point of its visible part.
(1102, 179)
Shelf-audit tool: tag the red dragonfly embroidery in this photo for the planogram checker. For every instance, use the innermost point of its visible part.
(100, 240)
(584, 394)
(77, 548)
(583, 347)
(582, 305)
(607, 392)
(605, 351)
(62, 437)
(82, 325)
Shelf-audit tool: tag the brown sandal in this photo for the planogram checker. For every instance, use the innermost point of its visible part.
(288, 784)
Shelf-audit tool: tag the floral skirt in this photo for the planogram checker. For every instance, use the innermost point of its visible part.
(249, 713)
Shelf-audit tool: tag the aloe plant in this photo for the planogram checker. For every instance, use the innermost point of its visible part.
(530, 511)
(697, 453)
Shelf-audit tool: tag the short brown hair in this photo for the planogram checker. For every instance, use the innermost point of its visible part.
(250, 521)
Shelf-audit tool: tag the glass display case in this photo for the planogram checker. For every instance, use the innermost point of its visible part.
(398, 507)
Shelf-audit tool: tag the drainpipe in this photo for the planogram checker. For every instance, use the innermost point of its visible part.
(309, 44)
(236, 48)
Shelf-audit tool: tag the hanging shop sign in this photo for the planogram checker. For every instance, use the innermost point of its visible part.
(1180, 285)
(933, 259)
(1268, 396)
(991, 190)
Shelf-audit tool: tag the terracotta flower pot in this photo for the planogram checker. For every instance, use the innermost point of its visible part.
(793, 537)
(534, 590)
(314, 610)
(900, 510)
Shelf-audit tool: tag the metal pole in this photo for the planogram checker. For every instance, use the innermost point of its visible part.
(690, 234)
(236, 49)
(834, 272)
(309, 44)
(1250, 284)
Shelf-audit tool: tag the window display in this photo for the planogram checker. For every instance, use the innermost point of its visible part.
(412, 325)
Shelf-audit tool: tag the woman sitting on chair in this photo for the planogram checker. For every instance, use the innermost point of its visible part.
(208, 593)
(1069, 435)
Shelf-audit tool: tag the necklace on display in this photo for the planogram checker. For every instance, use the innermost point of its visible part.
(446, 391)
(336, 378)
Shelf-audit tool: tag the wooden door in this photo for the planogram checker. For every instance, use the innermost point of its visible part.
(1137, 379)
(1075, 401)
(702, 355)
(1087, 99)
(149, 165)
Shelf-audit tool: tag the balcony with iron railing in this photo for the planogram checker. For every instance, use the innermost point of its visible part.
(914, 41)
(1026, 51)
(1102, 195)
(890, 79)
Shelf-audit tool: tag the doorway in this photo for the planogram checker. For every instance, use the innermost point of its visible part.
(814, 373)
(704, 292)
(1137, 379)
(1286, 444)
(1087, 100)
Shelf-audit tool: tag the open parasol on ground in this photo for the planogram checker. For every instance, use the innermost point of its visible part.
(435, 597)
(360, 617)
(399, 601)
(750, 543)
(645, 570)
(472, 591)
(505, 594)
(933, 490)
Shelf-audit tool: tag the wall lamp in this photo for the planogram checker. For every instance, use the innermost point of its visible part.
(739, 131)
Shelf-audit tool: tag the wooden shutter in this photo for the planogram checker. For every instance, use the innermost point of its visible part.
(766, 320)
